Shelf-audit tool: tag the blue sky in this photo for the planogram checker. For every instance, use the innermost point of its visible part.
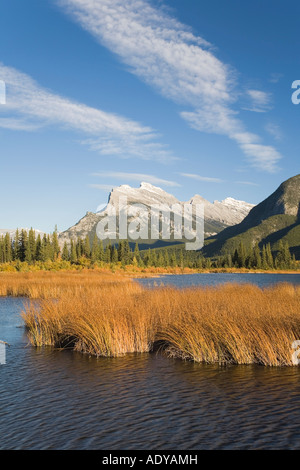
(193, 96)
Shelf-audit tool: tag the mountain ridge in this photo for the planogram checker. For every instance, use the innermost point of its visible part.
(275, 218)
(218, 215)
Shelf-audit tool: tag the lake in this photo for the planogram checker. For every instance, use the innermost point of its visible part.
(64, 400)
(213, 279)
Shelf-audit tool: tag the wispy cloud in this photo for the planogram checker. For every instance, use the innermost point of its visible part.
(275, 77)
(274, 130)
(29, 106)
(181, 66)
(123, 176)
(102, 187)
(205, 179)
(247, 183)
(260, 101)
(17, 124)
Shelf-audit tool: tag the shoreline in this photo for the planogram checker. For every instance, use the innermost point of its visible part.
(136, 272)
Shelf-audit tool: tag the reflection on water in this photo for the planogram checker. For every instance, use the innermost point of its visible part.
(213, 279)
(64, 400)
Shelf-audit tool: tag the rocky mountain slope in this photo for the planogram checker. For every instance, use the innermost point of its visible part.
(274, 219)
(218, 215)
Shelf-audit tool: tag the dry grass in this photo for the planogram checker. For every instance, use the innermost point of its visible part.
(235, 324)
(105, 314)
(45, 284)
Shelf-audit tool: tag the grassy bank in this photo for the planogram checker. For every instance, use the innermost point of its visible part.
(105, 314)
(85, 265)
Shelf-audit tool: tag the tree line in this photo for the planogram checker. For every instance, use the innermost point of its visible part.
(25, 246)
(259, 258)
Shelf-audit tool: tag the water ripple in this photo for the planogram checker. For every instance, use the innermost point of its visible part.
(64, 400)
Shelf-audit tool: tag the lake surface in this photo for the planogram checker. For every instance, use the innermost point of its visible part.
(212, 279)
(64, 400)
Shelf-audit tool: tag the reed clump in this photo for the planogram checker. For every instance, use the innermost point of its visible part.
(235, 324)
(110, 315)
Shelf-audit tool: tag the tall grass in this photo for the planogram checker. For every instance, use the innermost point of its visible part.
(110, 315)
(235, 324)
(45, 285)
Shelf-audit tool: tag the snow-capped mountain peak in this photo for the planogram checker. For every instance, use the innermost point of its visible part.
(217, 215)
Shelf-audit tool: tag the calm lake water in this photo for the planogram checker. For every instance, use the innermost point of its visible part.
(212, 279)
(64, 400)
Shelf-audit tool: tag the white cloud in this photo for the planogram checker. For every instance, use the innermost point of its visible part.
(262, 156)
(274, 130)
(181, 66)
(275, 77)
(260, 101)
(17, 124)
(247, 183)
(206, 179)
(102, 187)
(29, 106)
(123, 176)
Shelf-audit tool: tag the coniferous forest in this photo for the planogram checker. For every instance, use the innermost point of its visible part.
(31, 249)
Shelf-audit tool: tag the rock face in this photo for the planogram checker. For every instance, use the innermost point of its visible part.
(274, 219)
(218, 215)
(227, 212)
(285, 200)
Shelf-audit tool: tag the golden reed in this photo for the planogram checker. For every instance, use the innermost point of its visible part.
(105, 314)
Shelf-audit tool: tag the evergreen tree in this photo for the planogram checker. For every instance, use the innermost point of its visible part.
(287, 255)
(95, 249)
(127, 253)
(264, 263)
(38, 248)
(79, 248)
(181, 259)
(28, 254)
(199, 263)
(241, 255)
(136, 253)
(283, 258)
(49, 250)
(73, 252)
(256, 257)
(160, 259)
(269, 256)
(121, 250)
(86, 247)
(229, 261)
(23, 245)
(101, 251)
(167, 259)
(7, 248)
(65, 252)
(55, 244)
(16, 248)
(108, 253)
(173, 260)
(114, 255)
(235, 257)
(2, 255)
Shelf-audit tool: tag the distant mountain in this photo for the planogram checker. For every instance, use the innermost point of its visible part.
(274, 219)
(12, 231)
(218, 215)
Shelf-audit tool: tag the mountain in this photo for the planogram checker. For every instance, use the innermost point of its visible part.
(218, 215)
(12, 232)
(274, 219)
